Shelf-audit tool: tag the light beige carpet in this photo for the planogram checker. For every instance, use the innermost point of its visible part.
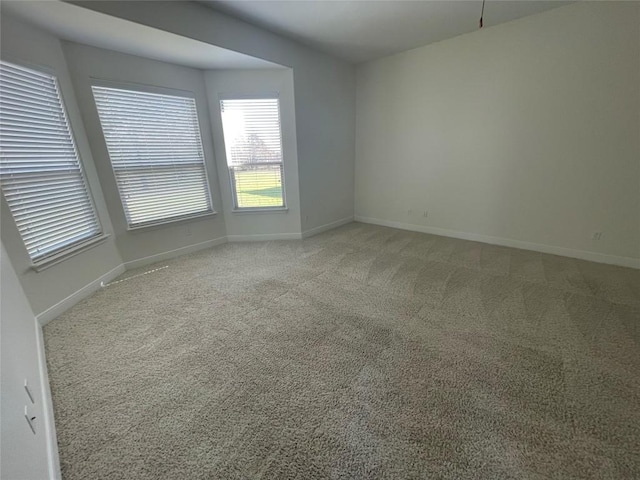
(364, 352)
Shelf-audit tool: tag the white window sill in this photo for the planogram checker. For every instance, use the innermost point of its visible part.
(48, 262)
(164, 223)
(261, 210)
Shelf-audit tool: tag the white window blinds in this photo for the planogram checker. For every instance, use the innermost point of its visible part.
(40, 171)
(253, 145)
(156, 153)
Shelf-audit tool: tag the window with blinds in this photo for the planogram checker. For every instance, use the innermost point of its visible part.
(40, 171)
(253, 144)
(156, 153)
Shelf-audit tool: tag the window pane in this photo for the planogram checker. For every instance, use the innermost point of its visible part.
(156, 153)
(253, 145)
(40, 171)
(258, 185)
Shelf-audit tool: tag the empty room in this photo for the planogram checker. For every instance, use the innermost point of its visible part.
(320, 239)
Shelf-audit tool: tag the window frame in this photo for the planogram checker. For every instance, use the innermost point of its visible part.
(74, 248)
(234, 197)
(154, 89)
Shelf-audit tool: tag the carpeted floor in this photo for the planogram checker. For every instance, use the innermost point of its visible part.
(364, 352)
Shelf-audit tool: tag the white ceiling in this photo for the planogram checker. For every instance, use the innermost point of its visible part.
(72, 22)
(365, 30)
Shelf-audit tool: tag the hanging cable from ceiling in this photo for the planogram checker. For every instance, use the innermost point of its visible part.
(482, 14)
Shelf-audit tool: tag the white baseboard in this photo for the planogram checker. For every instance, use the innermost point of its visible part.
(289, 236)
(65, 304)
(507, 242)
(60, 307)
(53, 458)
(176, 252)
(264, 237)
(327, 226)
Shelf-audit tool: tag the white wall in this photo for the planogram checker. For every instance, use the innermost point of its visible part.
(325, 119)
(324, 97)
(23, 455)
(525, 131)
(27, 45)
(87, 63)
(256, 82)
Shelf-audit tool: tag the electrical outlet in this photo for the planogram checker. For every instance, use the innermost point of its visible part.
(425, 214)
(596, 236)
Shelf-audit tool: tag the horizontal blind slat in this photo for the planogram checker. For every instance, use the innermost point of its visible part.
(45, 231)
(51, 213)
(53, 244)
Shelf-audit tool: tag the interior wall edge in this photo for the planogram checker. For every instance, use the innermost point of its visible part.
(507, 242)
(264, 237)
(65, 304)
(176, 252)
(53, 457)
(327, 226)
